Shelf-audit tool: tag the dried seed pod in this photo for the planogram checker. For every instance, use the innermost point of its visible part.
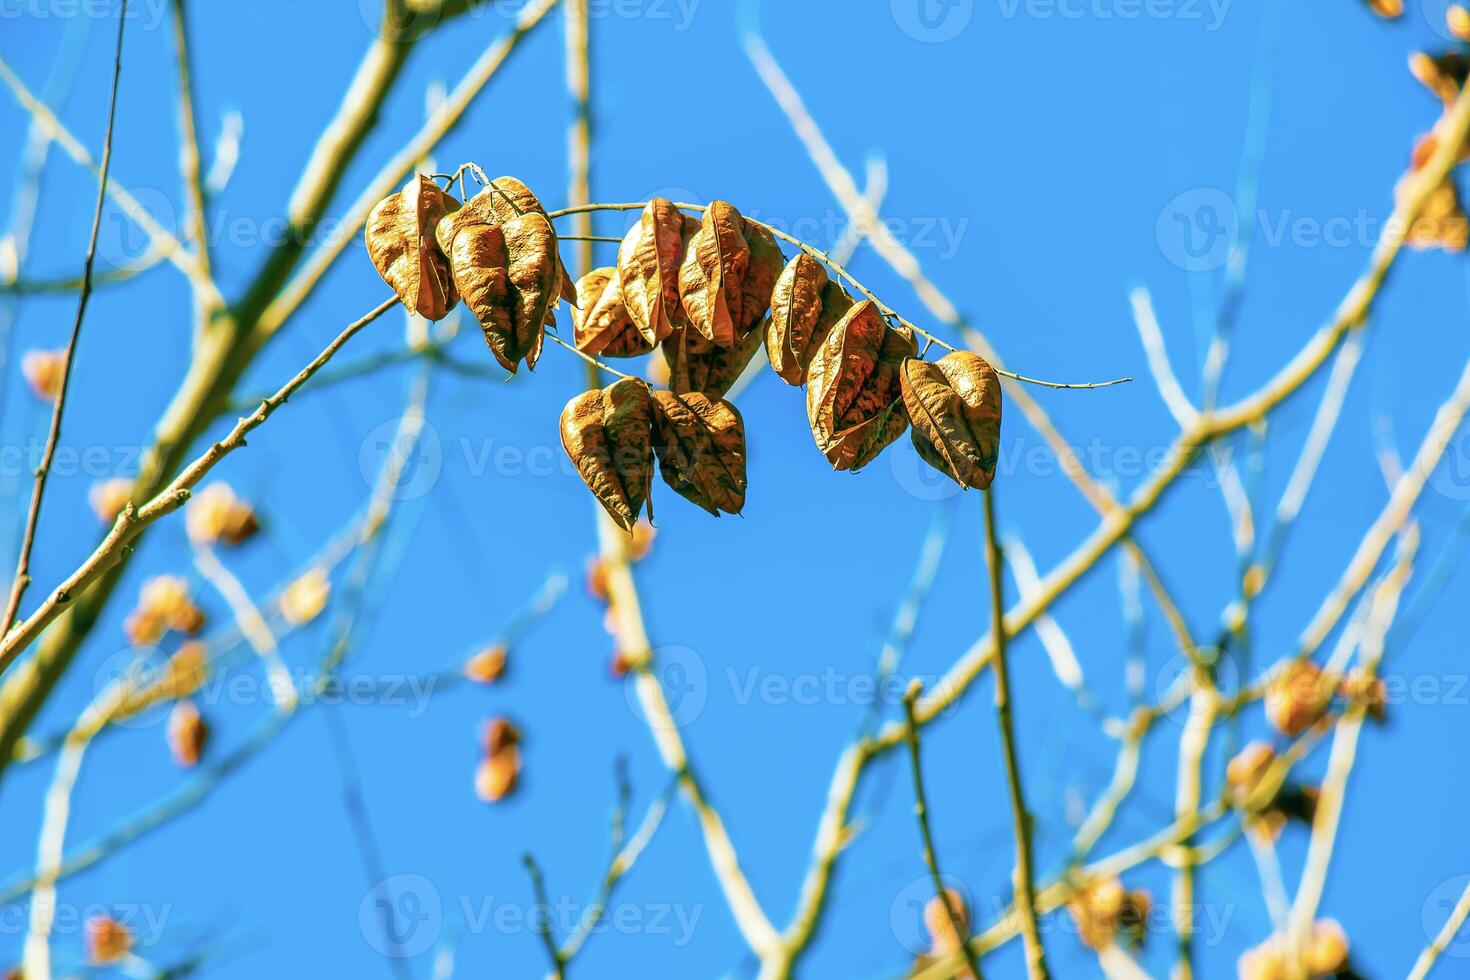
(109, 497)
(487, 666)
(648, 268)
(854, 393)
(43, 370)
(1326, 953)
(601, 324)
(795, 308)
(187, 734)
(701, 449)
(500, 770)
(401, 242)
(510, 197)
(1296, 697)
(712, 275)
(697, 364)
(1104, 909)
(954, 405)
(531, 245)
(761, 274)
(164, 604)
(608, 436)
(304, 599)
(215, 514)
(108, 940)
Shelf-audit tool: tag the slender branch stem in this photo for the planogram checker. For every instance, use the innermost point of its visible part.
(931, 858)
(23, 563)
(189, 168)
(1025, 883)
(542, 923)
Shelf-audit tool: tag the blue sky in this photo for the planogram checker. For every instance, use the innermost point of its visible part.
(1037, 156)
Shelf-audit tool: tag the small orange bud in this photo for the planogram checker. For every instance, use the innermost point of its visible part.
(304, 599)
(43, 371)
(187, 734)
(107, 939)
(109, 497)
(1104, 909)
(215, 514)
(487, 666)
(622, 663)
(597, 578)
(1388, 9)
(1296, 697)
(499, 771)
(164, 604)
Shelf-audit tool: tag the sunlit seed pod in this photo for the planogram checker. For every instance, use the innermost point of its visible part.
(305, 598)
(759, 285)
(954, 406)
(487, 666)
(601, 324)
(166, 603)
(700, 444)
(712, 275)
(43, 371)
(854, 389)
(796, 307)
(1365, 689)
(497, 775)
(649, 259)
(188, 733)
(1244, 772)
(1442, 222)
(109, 497)
(1296, 697)
(216, 515)
(108, 940)
(1095, 910)
(697, 364)
(401, 242)
(607, 433)
(510, 197)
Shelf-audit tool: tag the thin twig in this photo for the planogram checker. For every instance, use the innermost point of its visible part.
(542, 923)
(23, 564)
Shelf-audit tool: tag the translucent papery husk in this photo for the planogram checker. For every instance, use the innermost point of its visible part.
(601, 325)
(761, 273)
(401, 243)
(649, 259)
(608, 435)
(712, 276)
(481, 265)
(954, 406)
(805, 306)
(534, 281)
(509, 197)
(700, 443)
(697, 364)
(854, 390)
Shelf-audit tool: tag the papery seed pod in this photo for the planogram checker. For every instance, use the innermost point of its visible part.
(697, 364)
(700, 445)
(500, 734)
(497, 775)
(42, 370)
(1387, 9)
(761, 274)
(648, 268)
(510, 197)
(215, 514)
(401, 242)
(608, 435)
(601, 324)
(712, 275)
(304, 599)
(795, 308)
(854, 392)
(954, 407)
(487, 666)
(1104, 911)
(531, 244)
(108, 940)
(167, 597)
(187, 734)
(109, 497)
(1296, 697)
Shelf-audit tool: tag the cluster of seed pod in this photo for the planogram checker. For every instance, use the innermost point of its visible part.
(706, 293)
(500, 767)
(1104, 912)
(1325, 954)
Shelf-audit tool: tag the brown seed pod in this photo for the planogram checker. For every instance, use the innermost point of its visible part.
(648, 268)
(401, 242)
(696, 364)
(765, 265)
(187, 734)
(531, 244)
(700, 444)
(510, 197)
(1297, 696)
(481, 267)
(487, 666)
(712, 275)
(853, 397)
(805, 307)
(954, 405)
(108, 940)
(601, 323)
(608, 435)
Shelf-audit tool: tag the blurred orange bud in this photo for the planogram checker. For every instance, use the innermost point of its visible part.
(499, 771)
(1296, 697)
(487, 666)
(621, 663)
(1104, 909)
(941, 922)
(164, 605)
(109, 497)
(1457, 19)
(1244, 772)
(304, 599)
(1442, 222)
(215, 514)
(1387, 8)
(43, 370)
(187, 734)
(108, 940)
(597, 578)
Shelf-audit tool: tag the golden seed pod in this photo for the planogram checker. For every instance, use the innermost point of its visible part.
(700, 445)
(854, 393)
(954, 406)
(1296, 697)
(305, 598)
(487, 666)
(806, 305)
(164, 605)
(401, 242)
(601, 324)
(500, 769)
(510, 198)
(648, 268)
(761, 274)
(43, 370)
(1388, 9)
(108, 940)
(215, 514)
(607, 433)
(1104, 911)
(697, 364)
(712, 275)
(109, 497)
(187, 734)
